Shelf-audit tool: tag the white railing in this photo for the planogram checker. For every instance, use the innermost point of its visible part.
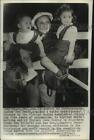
(82, 35)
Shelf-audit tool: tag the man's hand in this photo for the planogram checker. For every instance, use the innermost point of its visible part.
(60, 76)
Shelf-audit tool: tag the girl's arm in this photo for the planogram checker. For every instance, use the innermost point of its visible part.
(71, 36)
(70, 56)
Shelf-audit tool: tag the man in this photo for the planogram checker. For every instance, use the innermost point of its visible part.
(42, 23)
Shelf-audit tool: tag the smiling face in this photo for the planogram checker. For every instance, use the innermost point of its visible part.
(66, 18)
(43, 24)
(25, 24)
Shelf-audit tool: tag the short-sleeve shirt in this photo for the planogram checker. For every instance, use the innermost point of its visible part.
(70, 34)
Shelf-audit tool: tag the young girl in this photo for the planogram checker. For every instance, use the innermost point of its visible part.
(63, 54)
(67, 32)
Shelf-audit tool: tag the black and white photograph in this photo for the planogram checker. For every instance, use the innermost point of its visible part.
(46, 68)
(45, 54)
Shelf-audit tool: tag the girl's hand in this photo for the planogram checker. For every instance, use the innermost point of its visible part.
(69, 58)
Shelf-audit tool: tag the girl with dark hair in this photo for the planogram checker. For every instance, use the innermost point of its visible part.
(66, 34)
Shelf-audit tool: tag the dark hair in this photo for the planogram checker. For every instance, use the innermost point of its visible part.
(64, 8)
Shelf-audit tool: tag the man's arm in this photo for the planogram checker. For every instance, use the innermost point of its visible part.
(45, 61)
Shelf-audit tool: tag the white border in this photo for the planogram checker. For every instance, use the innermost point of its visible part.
(1, 65)
(89, 54)
(46, 1)
(90, 2)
